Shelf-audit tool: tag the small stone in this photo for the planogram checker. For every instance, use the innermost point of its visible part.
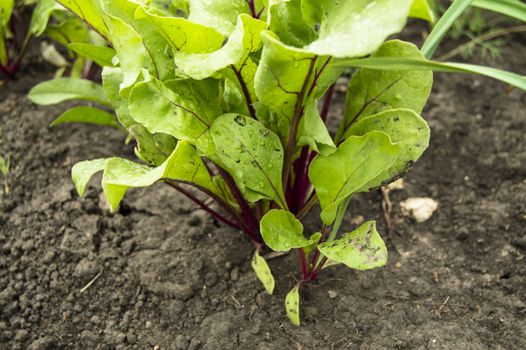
(357, 220)
(195, 220)
(86, 268)
(462, 234)
(95, 319)
(128, 246)
(120, 337)
(148, 325)
(396, 185)
(332, 294)
(420, 209)
(28, 245)
(131, 338)
(48, 258)
(234, 274)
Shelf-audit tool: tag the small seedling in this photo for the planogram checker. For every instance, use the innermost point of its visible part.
(231, 97)
(5, 165)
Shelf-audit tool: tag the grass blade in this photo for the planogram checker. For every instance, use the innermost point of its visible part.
(511, 8)
(388, 63)
(442, 27)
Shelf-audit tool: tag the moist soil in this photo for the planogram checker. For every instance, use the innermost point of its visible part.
(161, 274)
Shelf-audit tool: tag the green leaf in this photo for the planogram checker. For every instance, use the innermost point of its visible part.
(373, 91)
(122, 9)
(443, 25)
(90, 11)
(82, 172)
(5, 165)
(292, 305)
(3, 48)
(68, 31)
(313, 132)
(315, 239)
(184, 164)
(407, 129)
(168, 7)
(184, 109)
(341, 28)
(282, 232)
(263, 273)
(41, 15)
(160, 56)
(184, 35)
(279, 79)
(252, 154)
(6, 10)
(89, 115)
(221, 15)
(153, 149)
(412, 64)
(288, 23)
(129, 47)
(421, 9)
(111, 80)
(101, 55)
(244, 40)
(65, 89)
(361, 249)
(512, 8)
(356, 162)
(281, 76)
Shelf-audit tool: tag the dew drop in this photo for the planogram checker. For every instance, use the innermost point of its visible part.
(240, 120)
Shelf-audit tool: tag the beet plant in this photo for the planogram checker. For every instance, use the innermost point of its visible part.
(50, 19)
(229, 100)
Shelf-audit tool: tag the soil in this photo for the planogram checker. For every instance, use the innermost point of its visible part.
(161, 274)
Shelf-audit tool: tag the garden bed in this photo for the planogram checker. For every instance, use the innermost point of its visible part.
(161, 274)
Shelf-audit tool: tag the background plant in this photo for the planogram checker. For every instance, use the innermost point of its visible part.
(50, 19)
(229, 100)
(484, 32)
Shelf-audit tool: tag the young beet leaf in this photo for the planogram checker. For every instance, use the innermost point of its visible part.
(228, 101)
(49, 19)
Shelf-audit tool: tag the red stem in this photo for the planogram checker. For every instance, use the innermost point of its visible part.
(247, 214)
(327, 102)
(295, 194)
(304, 265)
(252, 6)
(246, 93)
(317, 76)
(324, 233)
(260, 12)
(203, 205)
(294, 125)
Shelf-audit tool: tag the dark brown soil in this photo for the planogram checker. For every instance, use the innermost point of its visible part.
(169, 277)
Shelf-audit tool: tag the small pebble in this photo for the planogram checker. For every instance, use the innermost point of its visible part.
(234, 274)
